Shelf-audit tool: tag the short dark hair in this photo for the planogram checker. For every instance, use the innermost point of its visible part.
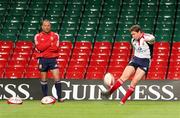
(45, 20)
(135, 28)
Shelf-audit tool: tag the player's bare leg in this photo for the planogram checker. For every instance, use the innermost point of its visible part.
(127, 73)
(55, 73)
(137, 77)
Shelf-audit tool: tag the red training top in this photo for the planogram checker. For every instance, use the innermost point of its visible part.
(47, 44)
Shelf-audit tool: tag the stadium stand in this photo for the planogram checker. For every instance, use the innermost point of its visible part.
(93, 33)
(174, 66)
(160, 56)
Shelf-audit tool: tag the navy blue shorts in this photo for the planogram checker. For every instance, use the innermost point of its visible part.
(46, 64)
(142, 63)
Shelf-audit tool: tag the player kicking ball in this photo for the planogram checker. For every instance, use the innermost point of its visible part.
(139, 64)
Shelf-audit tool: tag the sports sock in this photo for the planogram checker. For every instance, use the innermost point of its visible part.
(58, 89)
(44, 88)
(129, 92)
(116, 86)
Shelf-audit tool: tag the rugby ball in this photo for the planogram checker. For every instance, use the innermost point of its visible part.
(109, 79)
(48, 100)
(14, 100)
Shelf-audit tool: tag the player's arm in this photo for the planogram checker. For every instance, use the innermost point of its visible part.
(41, 46)
(55, 43)
(150, 39)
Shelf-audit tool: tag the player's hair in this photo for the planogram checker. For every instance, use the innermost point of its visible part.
(45, 20)
(135, 28)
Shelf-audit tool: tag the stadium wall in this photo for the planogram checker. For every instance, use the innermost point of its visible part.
(90, 89)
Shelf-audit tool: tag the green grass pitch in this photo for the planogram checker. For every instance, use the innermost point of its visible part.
(92, 109)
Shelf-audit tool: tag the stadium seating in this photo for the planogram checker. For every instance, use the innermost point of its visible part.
(94, 36)
(173, 72)
(159, 64)
(119, 58)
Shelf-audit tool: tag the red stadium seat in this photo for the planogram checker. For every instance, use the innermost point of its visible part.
(158, 63)
(122, 45)
(105, 51)
(97, 69)
(94, 75)
(161, 69)
(99, 63)
(14, 75)
(80, 57)
(24, 44)
(164, 57)
(3, 63)
(32, 69)
(176, 45)
(6, 51)
(15, 69)
(65, 44)
(30, 75)
(17, 56)
(4, 56)
(17, 63)
(33, 63)
(161, 48)
(175, 51)
(173, 76)
(164, 51)
(175, 57)
(64, 51)
(119, 58)
(96, 72)
(2, 70)
(63, 60)
(1, 75)
(156, 76)
(161, 45)
(100, 57)
(78, 63)
(63, 57)
(174, 63)
(83, 45)
(62, 63)
(175, 48)
(161, 60)
(123, 52)
(23, 50)
(75, 72)
(114, 63)
(116, 71)
(79, 51)
(103, 45)
(74, 75)
(6, 44)
(76, 69)
(174, 69)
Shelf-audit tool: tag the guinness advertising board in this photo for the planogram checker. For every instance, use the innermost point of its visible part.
(30, 89)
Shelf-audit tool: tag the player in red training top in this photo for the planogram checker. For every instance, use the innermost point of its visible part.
(139, 64)
(47, 43)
